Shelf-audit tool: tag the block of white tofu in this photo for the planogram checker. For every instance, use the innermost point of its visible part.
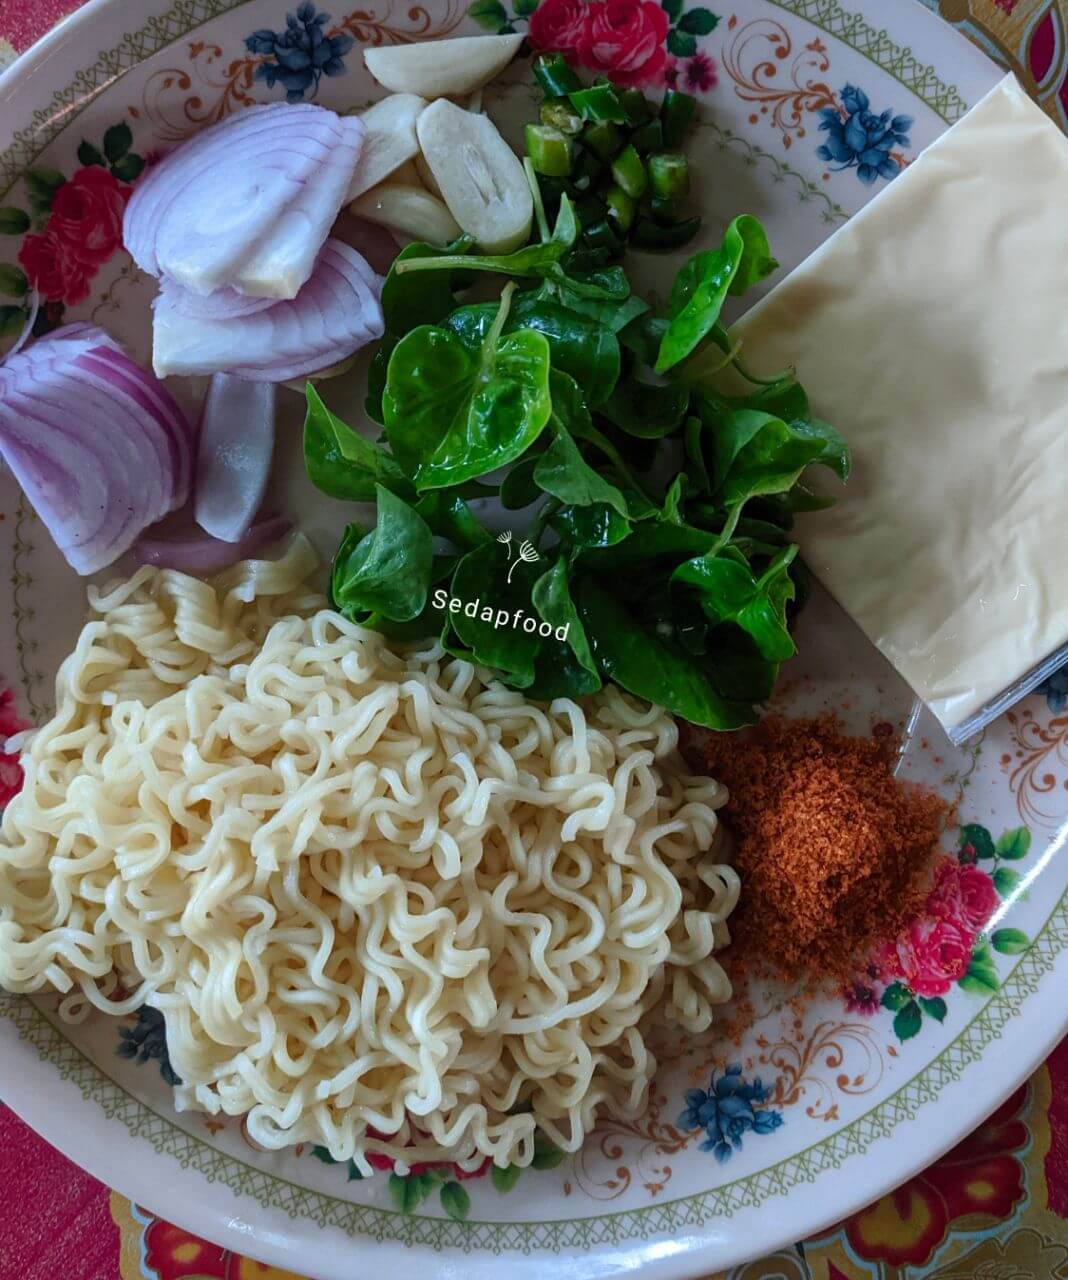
(932, 331)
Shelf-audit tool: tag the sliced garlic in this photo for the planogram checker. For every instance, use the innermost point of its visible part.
(435, 68)
(426, 175)
(479, 175)
(389, 142)
(409, 175)
(409, 210)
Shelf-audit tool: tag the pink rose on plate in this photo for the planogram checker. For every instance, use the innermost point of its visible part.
(626, 40)
(962, 894)
(934, 954)
(87, 215)
(10, 769)
(561, 26)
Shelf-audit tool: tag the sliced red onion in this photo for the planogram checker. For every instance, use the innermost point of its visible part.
(99, 447)
(247, 203)
(180, 544)
(371, 241)
(336, 313)
(223, 304)
(234, 455)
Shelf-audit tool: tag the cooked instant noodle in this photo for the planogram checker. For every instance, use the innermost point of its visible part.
(383, 903)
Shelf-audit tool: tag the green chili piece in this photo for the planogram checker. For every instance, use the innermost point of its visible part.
(648, 234)
(675, 115)
(650, 137)
(603, 138)
(589, 209)
(620, 209)
(669, 175)
(629, 173)
(665, 211)
(636, 105)
(599, 235)
(599, 102)
(558, 113)
(549, 150)
(555, 76)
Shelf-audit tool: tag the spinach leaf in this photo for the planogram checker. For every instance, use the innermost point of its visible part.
(453, 414)
(448, 516)
(408, 301)
(651, 542)
(645, 410)
(612, 313)
(559, 674)
(786, 399)
(518, 488)
(738, 670)
(534, 260)
(386, 571)
(695, 452)
(579, 346)
(757, 453)
(552, 599)
(428, 621)
(644, 335)
(492, 585)
(703, 283)
(651, 667)
(594, 526)
(729, 591)
(671, 511)
(563, 472)
(604, 284)
(341, 462)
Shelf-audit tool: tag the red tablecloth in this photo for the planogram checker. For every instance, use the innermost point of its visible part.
(996, 1206)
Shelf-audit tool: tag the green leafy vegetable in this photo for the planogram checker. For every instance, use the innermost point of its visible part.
(562, 471)
(534, 260)
(386, 571)
(491, 587)
(453, 413)
(729, 591)
(579, 345)
(341, 462)
(651, 667)
(702, 285)
(657, 553)
(645, 410)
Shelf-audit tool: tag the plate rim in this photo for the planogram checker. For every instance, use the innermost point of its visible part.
(814, 12)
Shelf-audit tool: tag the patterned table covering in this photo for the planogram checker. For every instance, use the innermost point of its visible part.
(995, 1206)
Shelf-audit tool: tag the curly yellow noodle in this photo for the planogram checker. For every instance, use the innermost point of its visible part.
(383, 903)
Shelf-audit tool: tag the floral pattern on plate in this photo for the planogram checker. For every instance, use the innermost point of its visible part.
(298, 57)
(77, 228)
(636, 42)
(949, 944)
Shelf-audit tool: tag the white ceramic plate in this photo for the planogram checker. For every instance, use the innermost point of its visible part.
(866, 1094)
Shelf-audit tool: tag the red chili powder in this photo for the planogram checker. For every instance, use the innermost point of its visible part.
(834, 852)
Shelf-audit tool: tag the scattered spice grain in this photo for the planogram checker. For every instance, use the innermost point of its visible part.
(835, 853)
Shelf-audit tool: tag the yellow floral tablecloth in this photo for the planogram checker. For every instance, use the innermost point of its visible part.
(994, 1208)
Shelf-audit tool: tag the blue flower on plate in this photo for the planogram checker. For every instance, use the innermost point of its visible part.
(147, 1042)
(727, 1110)
(863, 140)
(1055, 689)
(301, 55)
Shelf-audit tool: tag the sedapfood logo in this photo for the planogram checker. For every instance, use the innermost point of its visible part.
(517, 619)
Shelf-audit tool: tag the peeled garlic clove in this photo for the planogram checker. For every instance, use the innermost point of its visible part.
(409, 210)
(426, 176)
(408, 175)
(479, 176)
(389, 142)
(435, 68)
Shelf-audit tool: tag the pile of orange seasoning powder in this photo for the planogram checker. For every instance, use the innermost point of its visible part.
(835, 854)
